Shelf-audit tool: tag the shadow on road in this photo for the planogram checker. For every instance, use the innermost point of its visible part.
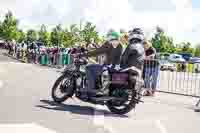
(75, 109)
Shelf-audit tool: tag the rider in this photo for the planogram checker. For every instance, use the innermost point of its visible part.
(134, 53)
(112, 49)
(133, 56)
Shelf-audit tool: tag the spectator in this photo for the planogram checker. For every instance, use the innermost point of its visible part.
(151, 69)
(34, 49)
(9, 48)
(91, 45)
(183, 67)
(51, 56)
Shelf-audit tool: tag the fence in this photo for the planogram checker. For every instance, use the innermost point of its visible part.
(58, 59)
(181, 78)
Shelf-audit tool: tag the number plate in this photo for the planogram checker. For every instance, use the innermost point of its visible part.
(119, 78)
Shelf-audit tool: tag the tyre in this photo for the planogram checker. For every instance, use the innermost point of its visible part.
(64, 84)
(115, 106)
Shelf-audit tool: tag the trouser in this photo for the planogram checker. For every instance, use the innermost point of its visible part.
(10, 51)
(92, 71)
(151, 77)
(35, 60)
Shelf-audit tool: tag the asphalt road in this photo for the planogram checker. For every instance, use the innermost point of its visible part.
(26, 106)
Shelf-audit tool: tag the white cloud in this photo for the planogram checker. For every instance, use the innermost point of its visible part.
(152, 5)
(177, 17)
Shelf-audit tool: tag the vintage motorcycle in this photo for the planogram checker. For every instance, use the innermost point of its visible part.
(121, 88)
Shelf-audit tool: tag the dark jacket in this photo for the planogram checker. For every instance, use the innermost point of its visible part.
(112, 55)
(154, 61)
(133, 56)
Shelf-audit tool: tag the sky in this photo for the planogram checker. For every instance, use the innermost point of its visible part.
(179, 18)
(195, 3)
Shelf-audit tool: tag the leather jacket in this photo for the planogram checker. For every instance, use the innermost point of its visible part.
(133, 55)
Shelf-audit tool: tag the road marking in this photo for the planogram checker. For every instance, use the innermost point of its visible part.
(160, 126)
(1, 84)
(19, 63)
(99, 115)
(99, 118)
(24, 128)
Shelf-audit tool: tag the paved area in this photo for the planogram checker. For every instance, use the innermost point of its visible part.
(26, 104)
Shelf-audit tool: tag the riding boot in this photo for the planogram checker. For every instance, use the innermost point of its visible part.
(84, 96)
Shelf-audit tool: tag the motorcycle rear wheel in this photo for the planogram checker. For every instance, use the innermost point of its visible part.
(113, 105)
(66, 89)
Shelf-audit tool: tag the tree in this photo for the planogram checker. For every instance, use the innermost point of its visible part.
(159, 29)
(197, 50)
(56, 36)
(75, 34)
(20, 36)
(186, 47)
(162, 42)
(44, 36)
(9, 27)
(68, 39)
(89, 32)
(71, 36)
(1, 30)
(31, 35)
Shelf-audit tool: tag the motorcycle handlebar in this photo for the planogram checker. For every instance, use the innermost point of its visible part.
(78, 60)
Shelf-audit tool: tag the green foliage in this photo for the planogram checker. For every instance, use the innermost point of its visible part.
(9, 27)
(44, 36)
(56, 36)
(21, 36)
(89, 32)
(1, 36)
(186, 47)
(162, 43)
(75, 34)
(31, 35)
(197, 50)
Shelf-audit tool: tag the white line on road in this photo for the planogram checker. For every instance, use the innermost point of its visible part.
(160, 126)
(99, 119)
(19, 63)
(99, 115)
(1, 84)
(24, 128)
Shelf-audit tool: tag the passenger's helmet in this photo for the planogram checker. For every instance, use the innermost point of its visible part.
(113, 36)
(136, 34)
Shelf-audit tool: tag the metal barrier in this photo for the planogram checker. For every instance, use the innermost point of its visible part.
(56, 60)
(182, 78)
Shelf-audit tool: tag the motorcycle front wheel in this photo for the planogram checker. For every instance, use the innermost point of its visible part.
(65, 86)
(122, 106)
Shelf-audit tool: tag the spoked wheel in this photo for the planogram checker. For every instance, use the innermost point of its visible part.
(63, 88)
(122, 106)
